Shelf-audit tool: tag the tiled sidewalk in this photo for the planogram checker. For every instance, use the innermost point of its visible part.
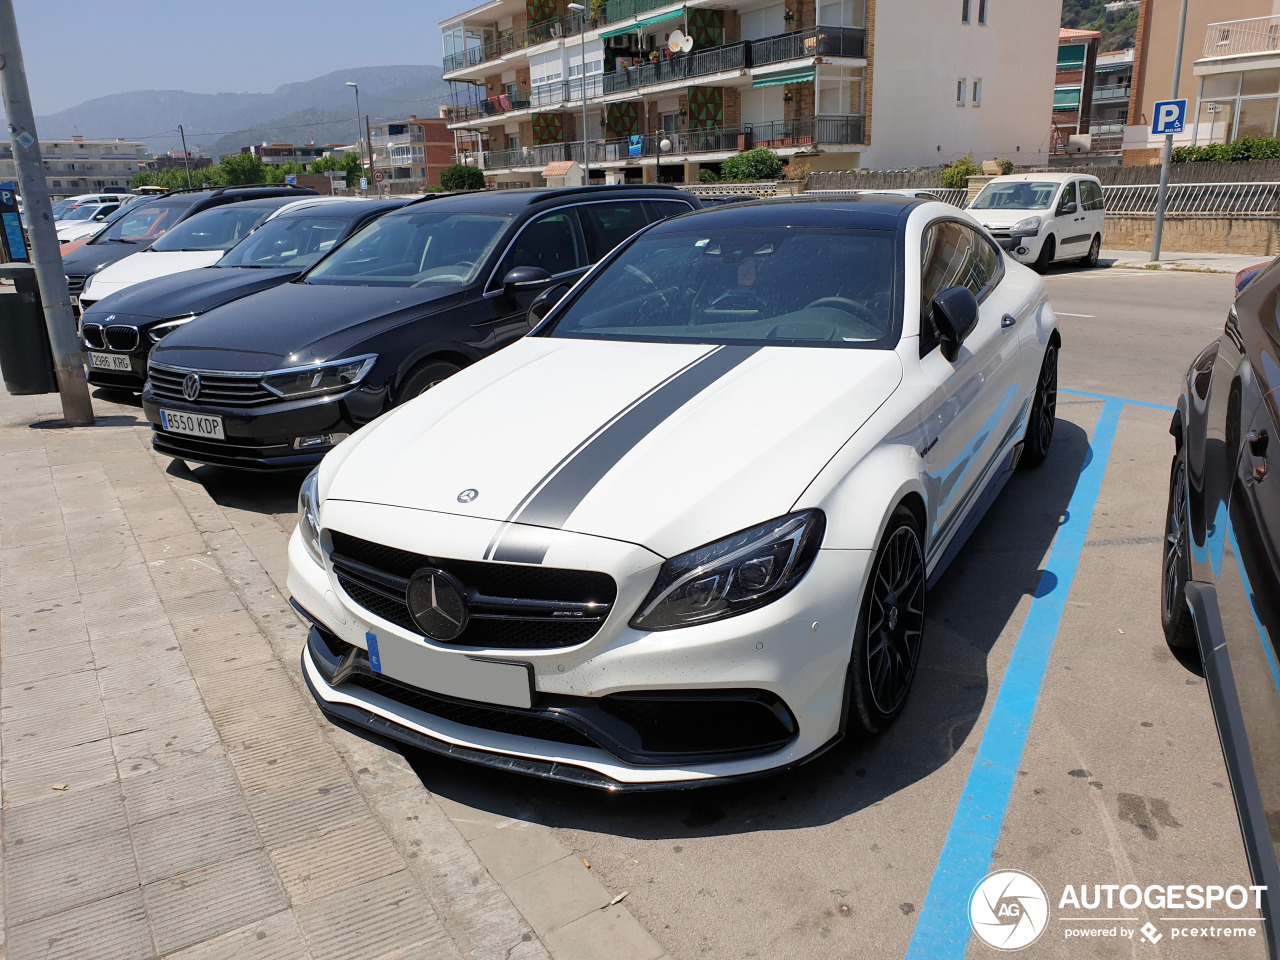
(168, 787)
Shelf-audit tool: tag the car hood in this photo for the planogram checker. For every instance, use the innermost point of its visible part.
(147, 266)
(74, 231)
(295, 324)
(92, 257)
(665, 445)
(191, 291)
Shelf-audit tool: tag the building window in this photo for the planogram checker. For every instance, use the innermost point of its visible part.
(982, 12)
(964, 11)
(977, 92)
(960, 92)
(57, 183)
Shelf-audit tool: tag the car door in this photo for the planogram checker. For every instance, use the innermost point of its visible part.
(1070, 226)
(975, 401)
(1094, 209)
(552, 241)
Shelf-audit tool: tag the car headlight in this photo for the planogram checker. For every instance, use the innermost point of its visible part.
(733, 575)
(1030, 226)
(319, 378)
(161, 330)
(309, 515)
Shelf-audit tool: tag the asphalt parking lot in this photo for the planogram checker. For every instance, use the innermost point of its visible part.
(1050, 730)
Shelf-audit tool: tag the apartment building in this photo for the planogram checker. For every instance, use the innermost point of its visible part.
(416, 149)
(76, 165)
(1237, 88)
(274, 154)
(1073, 81)
(672, 89)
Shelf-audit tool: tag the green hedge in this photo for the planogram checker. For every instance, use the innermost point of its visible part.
(754, 166)
(1246, 148)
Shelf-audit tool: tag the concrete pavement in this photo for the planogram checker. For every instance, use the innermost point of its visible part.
(1206, 262)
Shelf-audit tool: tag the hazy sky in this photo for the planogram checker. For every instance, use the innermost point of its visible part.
(76, 50)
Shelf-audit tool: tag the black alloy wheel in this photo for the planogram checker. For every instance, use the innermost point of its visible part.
(1047, 251)
(425, 377)
(1175, 568)
(1044, 411)
(886, 646)
(1090, 259)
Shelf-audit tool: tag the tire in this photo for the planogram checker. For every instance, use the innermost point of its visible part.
(1175, 564)
(1047, 251)
(1044, 410)
(425, 377)
(890, 631)
(1090, 259)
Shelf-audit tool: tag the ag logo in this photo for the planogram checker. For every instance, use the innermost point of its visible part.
(1008, 910)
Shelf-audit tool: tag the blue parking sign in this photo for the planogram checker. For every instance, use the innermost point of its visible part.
(1168, 116)
(290, 178)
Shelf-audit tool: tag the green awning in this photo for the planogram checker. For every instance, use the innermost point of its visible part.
(648, 21)
(1066, 99)
(1071, 56)
(778, 80)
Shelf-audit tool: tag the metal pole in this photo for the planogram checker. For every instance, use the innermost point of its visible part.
(581, 11)
(186, 160)
(1162, 194)
(369, 137)
(68, 356)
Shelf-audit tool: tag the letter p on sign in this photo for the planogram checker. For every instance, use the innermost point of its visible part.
(1169, 115)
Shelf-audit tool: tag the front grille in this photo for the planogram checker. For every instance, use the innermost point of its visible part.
(122, 338)
(93, 336)
(512, 606)
(75, 284)
(218, 389)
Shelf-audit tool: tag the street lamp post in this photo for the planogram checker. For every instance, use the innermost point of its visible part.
(581, 11)
(356, 87)
(664, 146)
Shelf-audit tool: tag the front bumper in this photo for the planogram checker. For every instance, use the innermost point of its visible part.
(791, 656)
(1023, 247)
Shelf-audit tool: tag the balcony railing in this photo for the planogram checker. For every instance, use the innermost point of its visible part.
(508, 41)
(713, 60)
(1235, 37)
(1110, 93)
(493, 107)
(564, 91)
(617, 10)
(814, 42)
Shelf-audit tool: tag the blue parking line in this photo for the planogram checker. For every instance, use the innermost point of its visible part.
(942, 932)
(1107, 396)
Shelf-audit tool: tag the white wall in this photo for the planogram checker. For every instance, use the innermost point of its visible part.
(921, 49)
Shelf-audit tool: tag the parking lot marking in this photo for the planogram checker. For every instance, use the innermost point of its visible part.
(942, 932)
(1107, 396)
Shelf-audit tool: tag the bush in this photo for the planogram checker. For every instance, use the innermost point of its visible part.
(1006, 166)
(708, 176)
(956, 174)
(1246, 148)
(753, 166)
(461, 177)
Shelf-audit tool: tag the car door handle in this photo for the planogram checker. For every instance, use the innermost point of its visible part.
(1256, 452)
(1007, 321)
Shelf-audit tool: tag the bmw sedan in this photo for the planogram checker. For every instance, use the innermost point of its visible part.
(683, 530)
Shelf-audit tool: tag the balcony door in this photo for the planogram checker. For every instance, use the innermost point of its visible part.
(761, 108)
(763, 22)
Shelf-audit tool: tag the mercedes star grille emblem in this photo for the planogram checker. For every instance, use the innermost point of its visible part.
(467, 495)
(438, 604)
(191, 386)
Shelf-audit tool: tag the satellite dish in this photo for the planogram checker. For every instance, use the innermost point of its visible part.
(686, 44)
(674, 41)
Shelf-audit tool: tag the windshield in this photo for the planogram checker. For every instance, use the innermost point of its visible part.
(143, 221)
(417, 249)
(287, 242)
(218, 229)
(83, 212)
(772, 286)
(1020, 195)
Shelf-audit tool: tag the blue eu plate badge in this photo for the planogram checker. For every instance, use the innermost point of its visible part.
(371, 639)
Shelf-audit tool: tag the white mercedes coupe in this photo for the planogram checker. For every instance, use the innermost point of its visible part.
(682, 531)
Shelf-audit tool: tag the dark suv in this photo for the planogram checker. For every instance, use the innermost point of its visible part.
(145, 223)
(273, 381)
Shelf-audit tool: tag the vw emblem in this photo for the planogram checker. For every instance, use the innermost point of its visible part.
(437, 604)
(191, 386)
(467, 495)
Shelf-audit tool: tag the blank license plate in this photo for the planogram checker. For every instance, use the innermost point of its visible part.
(488, 681)
(192, 424)
(109, 361)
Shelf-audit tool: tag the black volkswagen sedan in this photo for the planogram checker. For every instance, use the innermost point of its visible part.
(1220, 586)
(275, 380)
(120, 330)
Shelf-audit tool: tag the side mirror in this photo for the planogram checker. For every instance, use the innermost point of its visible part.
(1067, 208)
(523, 279)
(955, 314)
(543, 303)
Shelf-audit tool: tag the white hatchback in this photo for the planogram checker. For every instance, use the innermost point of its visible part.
(1041, 218)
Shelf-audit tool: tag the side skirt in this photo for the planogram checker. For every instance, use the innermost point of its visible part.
(976, 512)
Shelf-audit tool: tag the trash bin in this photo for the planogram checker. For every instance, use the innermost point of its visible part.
(26, 361)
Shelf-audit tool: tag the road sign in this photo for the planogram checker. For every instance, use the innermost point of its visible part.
(1168, 116)
(378, 176)
(364, 183)
(290, 178)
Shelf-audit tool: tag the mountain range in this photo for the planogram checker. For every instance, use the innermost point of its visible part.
(322, 110)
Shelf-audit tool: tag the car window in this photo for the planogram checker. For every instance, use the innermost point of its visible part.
(550, 242)
(1068, 195)
(667, 208)
(1091, 194)
(774, 286)
(295, 241)
(605, 225)
(1015, 195)
(414, 249)
(144, 222)
(952, 254)
(218, 229)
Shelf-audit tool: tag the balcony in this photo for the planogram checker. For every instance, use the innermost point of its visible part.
(508, 41)
(707, 62)
(617, 10)
(1110, 94)
(1233, 38)
(814, 42)
(492, 107)
(560, 92)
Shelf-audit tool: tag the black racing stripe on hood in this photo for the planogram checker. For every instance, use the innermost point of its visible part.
(526, 535)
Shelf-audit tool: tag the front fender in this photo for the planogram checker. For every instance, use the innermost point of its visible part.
(859, 504)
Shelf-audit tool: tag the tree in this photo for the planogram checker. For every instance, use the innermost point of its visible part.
(238, 168)
(350, 163)
(462, 177)
(956, 174)
(753, 166)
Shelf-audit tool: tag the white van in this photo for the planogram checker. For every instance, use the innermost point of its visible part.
(1041, 218)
